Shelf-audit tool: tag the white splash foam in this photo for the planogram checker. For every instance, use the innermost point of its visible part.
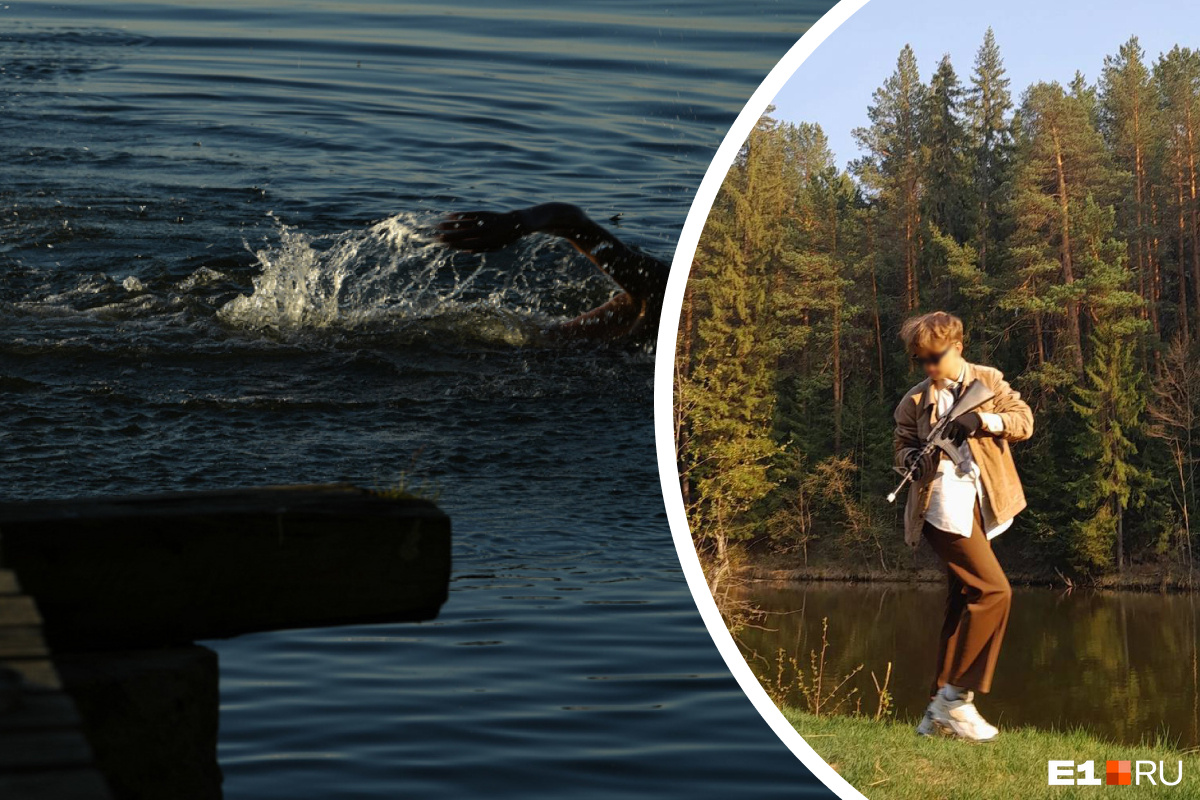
(388, 274)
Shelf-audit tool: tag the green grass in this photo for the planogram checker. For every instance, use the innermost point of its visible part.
(888, 759)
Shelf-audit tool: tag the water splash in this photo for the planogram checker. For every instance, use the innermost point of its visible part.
(392, 277)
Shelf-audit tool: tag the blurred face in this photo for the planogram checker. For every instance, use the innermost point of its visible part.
(942, 362)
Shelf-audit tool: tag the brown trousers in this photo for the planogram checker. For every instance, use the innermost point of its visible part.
(977, 606)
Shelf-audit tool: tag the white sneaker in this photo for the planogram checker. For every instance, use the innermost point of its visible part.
(927, 727)
(960, 718)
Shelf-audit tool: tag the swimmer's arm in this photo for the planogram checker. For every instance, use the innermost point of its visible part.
(620, 316)
(640, 275)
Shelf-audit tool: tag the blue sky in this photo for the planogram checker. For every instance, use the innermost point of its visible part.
(1042, 40)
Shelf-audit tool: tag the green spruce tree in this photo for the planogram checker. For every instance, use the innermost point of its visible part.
(730, 383)
(1109, 402)
(988, 105)
(891, 168)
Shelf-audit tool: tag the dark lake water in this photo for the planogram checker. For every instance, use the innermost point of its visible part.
(1123, 664)
(209, 278)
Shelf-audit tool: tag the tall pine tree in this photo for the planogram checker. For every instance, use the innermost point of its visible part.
(1063, 160)
(1128, 121)
(988, 105)
(1177, 79)
(892, 167)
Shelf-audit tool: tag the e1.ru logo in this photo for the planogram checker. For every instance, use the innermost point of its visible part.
(1116, 773)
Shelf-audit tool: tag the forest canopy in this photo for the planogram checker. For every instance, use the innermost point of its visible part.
(1059, 223)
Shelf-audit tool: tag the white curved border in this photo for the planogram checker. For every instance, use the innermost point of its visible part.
(664, 434)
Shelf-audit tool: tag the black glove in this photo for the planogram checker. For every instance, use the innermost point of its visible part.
(925, 464)
(957, 430)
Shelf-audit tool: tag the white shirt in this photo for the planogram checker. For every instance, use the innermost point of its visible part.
(952, 493)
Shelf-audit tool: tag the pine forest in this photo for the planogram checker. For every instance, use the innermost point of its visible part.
(1061, 223)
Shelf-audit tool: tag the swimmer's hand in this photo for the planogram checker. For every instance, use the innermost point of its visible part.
(481, 231)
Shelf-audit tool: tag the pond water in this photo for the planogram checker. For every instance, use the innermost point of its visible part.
(209, 277)
(1122, 664)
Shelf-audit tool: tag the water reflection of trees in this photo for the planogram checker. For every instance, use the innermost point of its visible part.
(1126, 665)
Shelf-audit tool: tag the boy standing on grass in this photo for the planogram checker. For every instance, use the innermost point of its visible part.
(959, 504)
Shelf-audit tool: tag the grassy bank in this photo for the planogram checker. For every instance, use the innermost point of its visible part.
(887, 759)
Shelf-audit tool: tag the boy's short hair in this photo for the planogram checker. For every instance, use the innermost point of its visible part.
(931, 332)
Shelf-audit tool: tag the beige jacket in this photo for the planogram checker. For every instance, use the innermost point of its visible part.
(915, 417)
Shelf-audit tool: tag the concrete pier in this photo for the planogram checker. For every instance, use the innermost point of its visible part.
(167, 569)
(103, 693)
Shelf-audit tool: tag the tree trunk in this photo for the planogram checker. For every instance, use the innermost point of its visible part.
(1037, 334)
(985, 177)
(1191, 154)
(837, 377)
(910, 278)
(916, 250)
(1152, 263)
(1073, 331)
(837, 341)
(1120, 535)
(1183, 305)
(983, 233)
(875, 305)
(1139, 180)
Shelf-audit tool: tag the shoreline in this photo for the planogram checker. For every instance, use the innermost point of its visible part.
(1138, 580)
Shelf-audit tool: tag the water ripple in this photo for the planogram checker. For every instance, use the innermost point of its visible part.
(211, 275)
